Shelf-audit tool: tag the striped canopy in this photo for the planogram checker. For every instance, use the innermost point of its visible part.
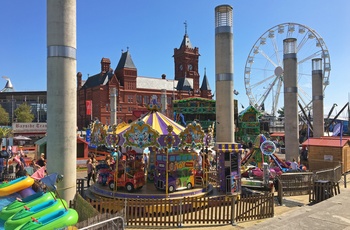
(158, 122)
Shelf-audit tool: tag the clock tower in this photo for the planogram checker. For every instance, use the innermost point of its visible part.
(186, 62)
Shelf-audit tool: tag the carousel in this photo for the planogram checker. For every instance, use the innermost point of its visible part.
(154, 157)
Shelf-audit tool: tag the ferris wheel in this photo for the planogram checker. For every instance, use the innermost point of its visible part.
(263, 76)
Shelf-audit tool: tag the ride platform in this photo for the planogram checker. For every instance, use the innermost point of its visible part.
(148, 191)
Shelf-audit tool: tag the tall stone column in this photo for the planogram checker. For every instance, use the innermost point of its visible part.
(113, 102)
(62, 94)
(225, 129)
(224, 74)
(291, 125)
(317, 97)
(163, 100)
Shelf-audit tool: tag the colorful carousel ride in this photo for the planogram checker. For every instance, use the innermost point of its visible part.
(171, 170)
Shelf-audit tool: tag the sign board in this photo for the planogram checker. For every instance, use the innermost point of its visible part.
(235, 174)
(328, 157)
(32, 127)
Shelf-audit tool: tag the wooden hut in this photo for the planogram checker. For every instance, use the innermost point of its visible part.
(327, 152)
(82, 147)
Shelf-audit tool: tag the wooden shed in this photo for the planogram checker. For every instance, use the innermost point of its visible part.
(82, 147)
(327, 152)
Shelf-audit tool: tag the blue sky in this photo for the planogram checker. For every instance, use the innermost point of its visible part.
(152, 29)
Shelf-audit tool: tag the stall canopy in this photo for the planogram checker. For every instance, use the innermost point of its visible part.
(21, 138)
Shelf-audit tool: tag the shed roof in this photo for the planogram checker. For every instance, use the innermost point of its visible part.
(327, 141)
(277, 134)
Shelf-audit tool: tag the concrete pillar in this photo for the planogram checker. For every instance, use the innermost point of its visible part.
(317, 97)
(164, 102)
(224, 74)
(113, 102)
(225, 129)
(62, 94)
(291, 125)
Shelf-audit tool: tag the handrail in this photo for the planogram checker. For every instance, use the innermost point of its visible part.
(103, 222)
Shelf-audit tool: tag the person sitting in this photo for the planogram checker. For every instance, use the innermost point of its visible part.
(21, 156)
(109, 161)
(42, 161)
(294, 165)
(253, 162)
(34, 165)
(20, 171)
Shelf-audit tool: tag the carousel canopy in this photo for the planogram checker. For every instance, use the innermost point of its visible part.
(158, 122)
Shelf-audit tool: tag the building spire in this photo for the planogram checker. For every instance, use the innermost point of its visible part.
(186, 40)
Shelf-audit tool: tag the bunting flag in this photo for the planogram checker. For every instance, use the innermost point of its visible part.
(337, 129)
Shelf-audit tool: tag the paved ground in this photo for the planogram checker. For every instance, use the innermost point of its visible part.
(329, 214)
(296, 213)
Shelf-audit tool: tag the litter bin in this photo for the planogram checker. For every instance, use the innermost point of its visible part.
(322, 190)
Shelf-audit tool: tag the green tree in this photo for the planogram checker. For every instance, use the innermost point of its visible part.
(5, 132)
(23, 113)
(4, 116)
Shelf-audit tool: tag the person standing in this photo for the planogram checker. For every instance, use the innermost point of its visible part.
(94, 163)
(145, 162)
(89, 171)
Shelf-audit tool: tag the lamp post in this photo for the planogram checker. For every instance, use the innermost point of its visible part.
(113, 102)
(317, 97)
(291, 98)
(166, 173)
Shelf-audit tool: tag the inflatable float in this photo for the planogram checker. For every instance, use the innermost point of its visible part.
(36, 211)
(16, 185)
(54, 220)
(29, 201)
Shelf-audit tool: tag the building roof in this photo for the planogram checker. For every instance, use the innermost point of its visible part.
(98, 79)
(44, 140)
(277, 134)
(205, 82)
(8, 87)
(249, 109)
(185, 84)
(186, 42)
(327, 141)
(155, 83)
(125, 61)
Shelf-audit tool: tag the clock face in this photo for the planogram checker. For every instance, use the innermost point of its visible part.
(190, 67)
(181, 67)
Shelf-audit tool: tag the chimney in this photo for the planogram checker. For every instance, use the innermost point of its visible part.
(79, 75)
(105, 65)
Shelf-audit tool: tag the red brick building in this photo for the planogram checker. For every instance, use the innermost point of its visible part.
(134, 92)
